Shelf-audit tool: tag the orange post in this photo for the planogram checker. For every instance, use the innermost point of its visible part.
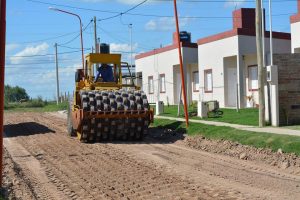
(181, 67)
(2, 73)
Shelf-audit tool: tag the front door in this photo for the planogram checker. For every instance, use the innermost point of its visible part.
(231, 87)
(178, 88)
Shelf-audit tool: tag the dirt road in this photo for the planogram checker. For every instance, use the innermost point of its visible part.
(46, 164)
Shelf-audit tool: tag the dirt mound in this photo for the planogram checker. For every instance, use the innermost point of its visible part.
(278, 159)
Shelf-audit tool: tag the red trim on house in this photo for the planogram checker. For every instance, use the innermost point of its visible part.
(194, 85)
(206, 71)
(165, 49)
(243, 24)
(239, 31)
(296, 18)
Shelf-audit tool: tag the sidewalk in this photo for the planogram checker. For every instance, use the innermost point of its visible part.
(275, 130)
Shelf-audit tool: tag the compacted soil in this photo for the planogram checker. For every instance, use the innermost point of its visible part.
(42, 162)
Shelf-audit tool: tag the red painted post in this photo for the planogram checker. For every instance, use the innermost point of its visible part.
(2, 73)
(181, 67)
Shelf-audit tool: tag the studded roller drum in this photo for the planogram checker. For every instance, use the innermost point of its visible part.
(112, 104)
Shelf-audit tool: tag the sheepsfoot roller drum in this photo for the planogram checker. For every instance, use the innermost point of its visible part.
(104, 109)
(112, 115)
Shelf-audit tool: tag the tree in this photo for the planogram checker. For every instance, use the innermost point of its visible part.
(14, 94)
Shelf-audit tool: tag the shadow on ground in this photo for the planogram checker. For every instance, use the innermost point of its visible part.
(158, 135)
(25, 129)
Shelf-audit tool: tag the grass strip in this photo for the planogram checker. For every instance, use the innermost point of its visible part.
(49, 107)
(246, 116)
(289, 144)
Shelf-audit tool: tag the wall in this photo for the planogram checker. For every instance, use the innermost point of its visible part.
(210, 56)
(295, 31)
(153, 66)
(289, 88)
(195, 94)
(163, 63)
(247, 48)
(248, 61)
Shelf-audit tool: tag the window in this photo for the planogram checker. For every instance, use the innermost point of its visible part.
(196, 81)
(128, 81)
(150, 85)
(208, 82)
(253, 78)
(162, 83)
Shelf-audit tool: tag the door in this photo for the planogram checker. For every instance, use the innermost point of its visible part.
(178, 88)
(231, 87)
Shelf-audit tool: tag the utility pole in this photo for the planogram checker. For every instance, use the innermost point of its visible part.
(96, 42)
(271, 32)
(130, 33)
(2, 74)
(261, 73)
(95, 34)
(181, 66)
(263, 34)
(57, 81)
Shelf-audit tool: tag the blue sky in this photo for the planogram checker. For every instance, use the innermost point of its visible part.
(33, 29)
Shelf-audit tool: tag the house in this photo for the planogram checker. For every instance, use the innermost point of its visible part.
(295, 30)
(227, 61)
(160, 71)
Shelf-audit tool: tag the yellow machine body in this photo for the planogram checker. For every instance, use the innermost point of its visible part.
(87, 114)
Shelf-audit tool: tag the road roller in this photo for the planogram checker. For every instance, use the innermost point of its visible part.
(103, 108)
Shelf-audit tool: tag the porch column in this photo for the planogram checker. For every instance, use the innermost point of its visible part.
(241, 80)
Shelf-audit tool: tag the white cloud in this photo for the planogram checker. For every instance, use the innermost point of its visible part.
(232, 3)
(20, 57)
(11, 47)
(165, 24)
(116, 47)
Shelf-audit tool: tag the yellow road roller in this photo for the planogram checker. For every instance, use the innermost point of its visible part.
(103, 108)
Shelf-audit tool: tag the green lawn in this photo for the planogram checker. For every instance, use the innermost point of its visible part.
(296, 127)
(247, 116)
(288, 144)
(48, 107)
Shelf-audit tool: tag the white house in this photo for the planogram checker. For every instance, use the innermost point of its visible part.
(160, 71)
(228, 65)
(295, 30)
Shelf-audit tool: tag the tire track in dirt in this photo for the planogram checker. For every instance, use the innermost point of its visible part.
(110, 165)
(148, 170)
(32, 170)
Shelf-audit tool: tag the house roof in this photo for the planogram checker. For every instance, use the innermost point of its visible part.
(243, 24)
(296, 18)
(165, 49)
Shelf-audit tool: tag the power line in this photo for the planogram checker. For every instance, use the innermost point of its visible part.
(155, 15)
(43, 55)
(77, 35)
(36, 63)
(73, 7)
(50, 38)
(224, 1)
(67, 47)
(123, 40)
(122, 13)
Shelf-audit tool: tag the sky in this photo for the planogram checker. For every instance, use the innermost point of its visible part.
(33, 29)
